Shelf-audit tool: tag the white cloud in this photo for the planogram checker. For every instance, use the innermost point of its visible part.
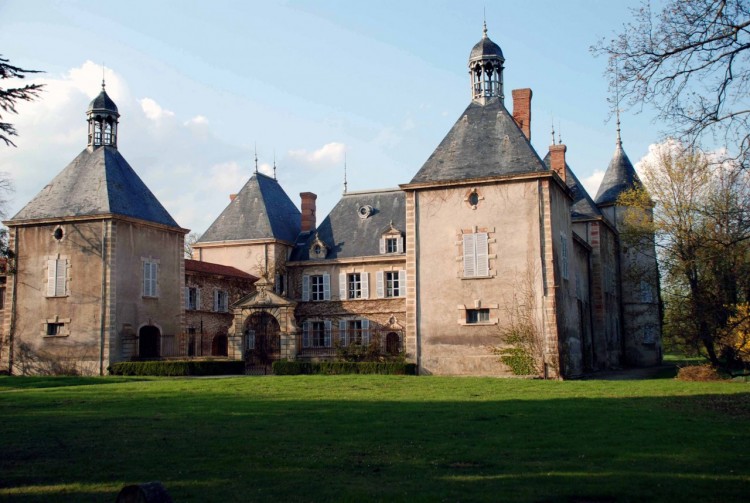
(227, 177)
(327, 156)
(591, 183)
(153, 111)
(198, 119)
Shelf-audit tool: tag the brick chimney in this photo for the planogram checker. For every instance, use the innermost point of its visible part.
(308, 211)
(522, 110)
(557, 159)
(231, 197)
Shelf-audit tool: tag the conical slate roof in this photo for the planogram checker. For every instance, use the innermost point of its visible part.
(261, 210)
(484, 141)
(97, 182)
(619, 177)
(102, 103)
(583, 207)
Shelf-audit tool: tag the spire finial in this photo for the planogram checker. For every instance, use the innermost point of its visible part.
(559, 133)
(484, 16)
(345, 184)
(103, 84)
(256, 158)
(617, 103)
(619, 139)
(274, 164)
(553, 131)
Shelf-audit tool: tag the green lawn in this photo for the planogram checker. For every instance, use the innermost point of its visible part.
(359, 438)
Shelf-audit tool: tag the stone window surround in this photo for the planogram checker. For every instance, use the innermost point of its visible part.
(478, 304)
(491, 241)
(68, 278)
(65, 329)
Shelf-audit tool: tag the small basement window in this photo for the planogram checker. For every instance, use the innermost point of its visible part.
(477, 316)
(55, 329)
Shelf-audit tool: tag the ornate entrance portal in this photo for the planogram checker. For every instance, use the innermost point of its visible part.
(262, 340)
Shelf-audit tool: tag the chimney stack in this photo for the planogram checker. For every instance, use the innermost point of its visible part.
(557, 159)
(308, 211)
(231, 197)
(522, 110)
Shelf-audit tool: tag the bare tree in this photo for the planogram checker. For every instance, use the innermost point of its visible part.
(190, 240)
(701, 221)
(11, 96)
(691, 61)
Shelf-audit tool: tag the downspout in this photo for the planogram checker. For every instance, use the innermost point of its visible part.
(417, 310)
(544, 277)
(103, 312)
(12, 324)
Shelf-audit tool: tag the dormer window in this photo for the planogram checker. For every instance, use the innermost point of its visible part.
(318, 249)
(391, 241)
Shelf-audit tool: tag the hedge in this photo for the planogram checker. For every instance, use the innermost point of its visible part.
(284, 367)
(178, 368)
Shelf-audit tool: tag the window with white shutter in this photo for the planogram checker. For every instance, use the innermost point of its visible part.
(305, 288)
(379, 280)
(57, 276)
(342, 333)
(327, 334)
(150, 278)
(365, 285)
(326, 287)
(476, 257)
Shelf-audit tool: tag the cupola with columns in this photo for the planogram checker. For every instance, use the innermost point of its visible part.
(102, 118)
(486, 70)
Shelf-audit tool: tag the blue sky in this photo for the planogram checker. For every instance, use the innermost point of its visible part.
(201, 85)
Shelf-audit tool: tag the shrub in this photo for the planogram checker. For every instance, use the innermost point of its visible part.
(178, 368)
(698, 373)
(284, 367)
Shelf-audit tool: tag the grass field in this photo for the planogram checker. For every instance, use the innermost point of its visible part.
(367, 438)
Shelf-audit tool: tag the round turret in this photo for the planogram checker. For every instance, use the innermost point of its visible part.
(102, 118)
(486, 69)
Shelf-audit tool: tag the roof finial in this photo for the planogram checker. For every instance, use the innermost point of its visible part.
(617, 103)
(256, 158)
(274, 164)
(484, 16)
(559, 133)
(553, 130)
(103, 84)
(345, 184)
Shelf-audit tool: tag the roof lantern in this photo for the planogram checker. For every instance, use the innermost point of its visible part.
(486, 63)
(102, 118)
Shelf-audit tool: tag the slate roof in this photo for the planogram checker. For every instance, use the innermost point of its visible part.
(583, 207)
(218, 269)
(484, 141)
(619, 177)
(97, 182)
(261, 210)
(102, 103)
(346, 234)
(485, 49)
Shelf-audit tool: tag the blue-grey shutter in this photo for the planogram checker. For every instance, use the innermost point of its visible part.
(305, 288)
(343, 295)
(326, 287)
(365, 332)
(327, 335)
(342, 333)
(306, 334)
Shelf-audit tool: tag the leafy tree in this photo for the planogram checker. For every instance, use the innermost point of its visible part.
(699, 211)
(12, 95)
(691, 61)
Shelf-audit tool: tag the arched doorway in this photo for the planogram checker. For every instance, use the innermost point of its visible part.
(219, 345)
(149, 342)
(392, 345)
(262, 339)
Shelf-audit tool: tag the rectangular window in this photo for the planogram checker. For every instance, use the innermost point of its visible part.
(221, 304)
(392, 284)
(391, 245)
(57, 275)
(54, 329)
(316, 287)
(477, 316)
(316, 334)
(354, 332)
(647, 295)
(150, 277)
(192, 299)
(476, 256)
(2, 298)
(354, 286)
(564, 255)
(279, 284)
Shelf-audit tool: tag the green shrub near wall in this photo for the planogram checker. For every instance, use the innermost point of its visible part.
(284, 367)
(178, 368)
